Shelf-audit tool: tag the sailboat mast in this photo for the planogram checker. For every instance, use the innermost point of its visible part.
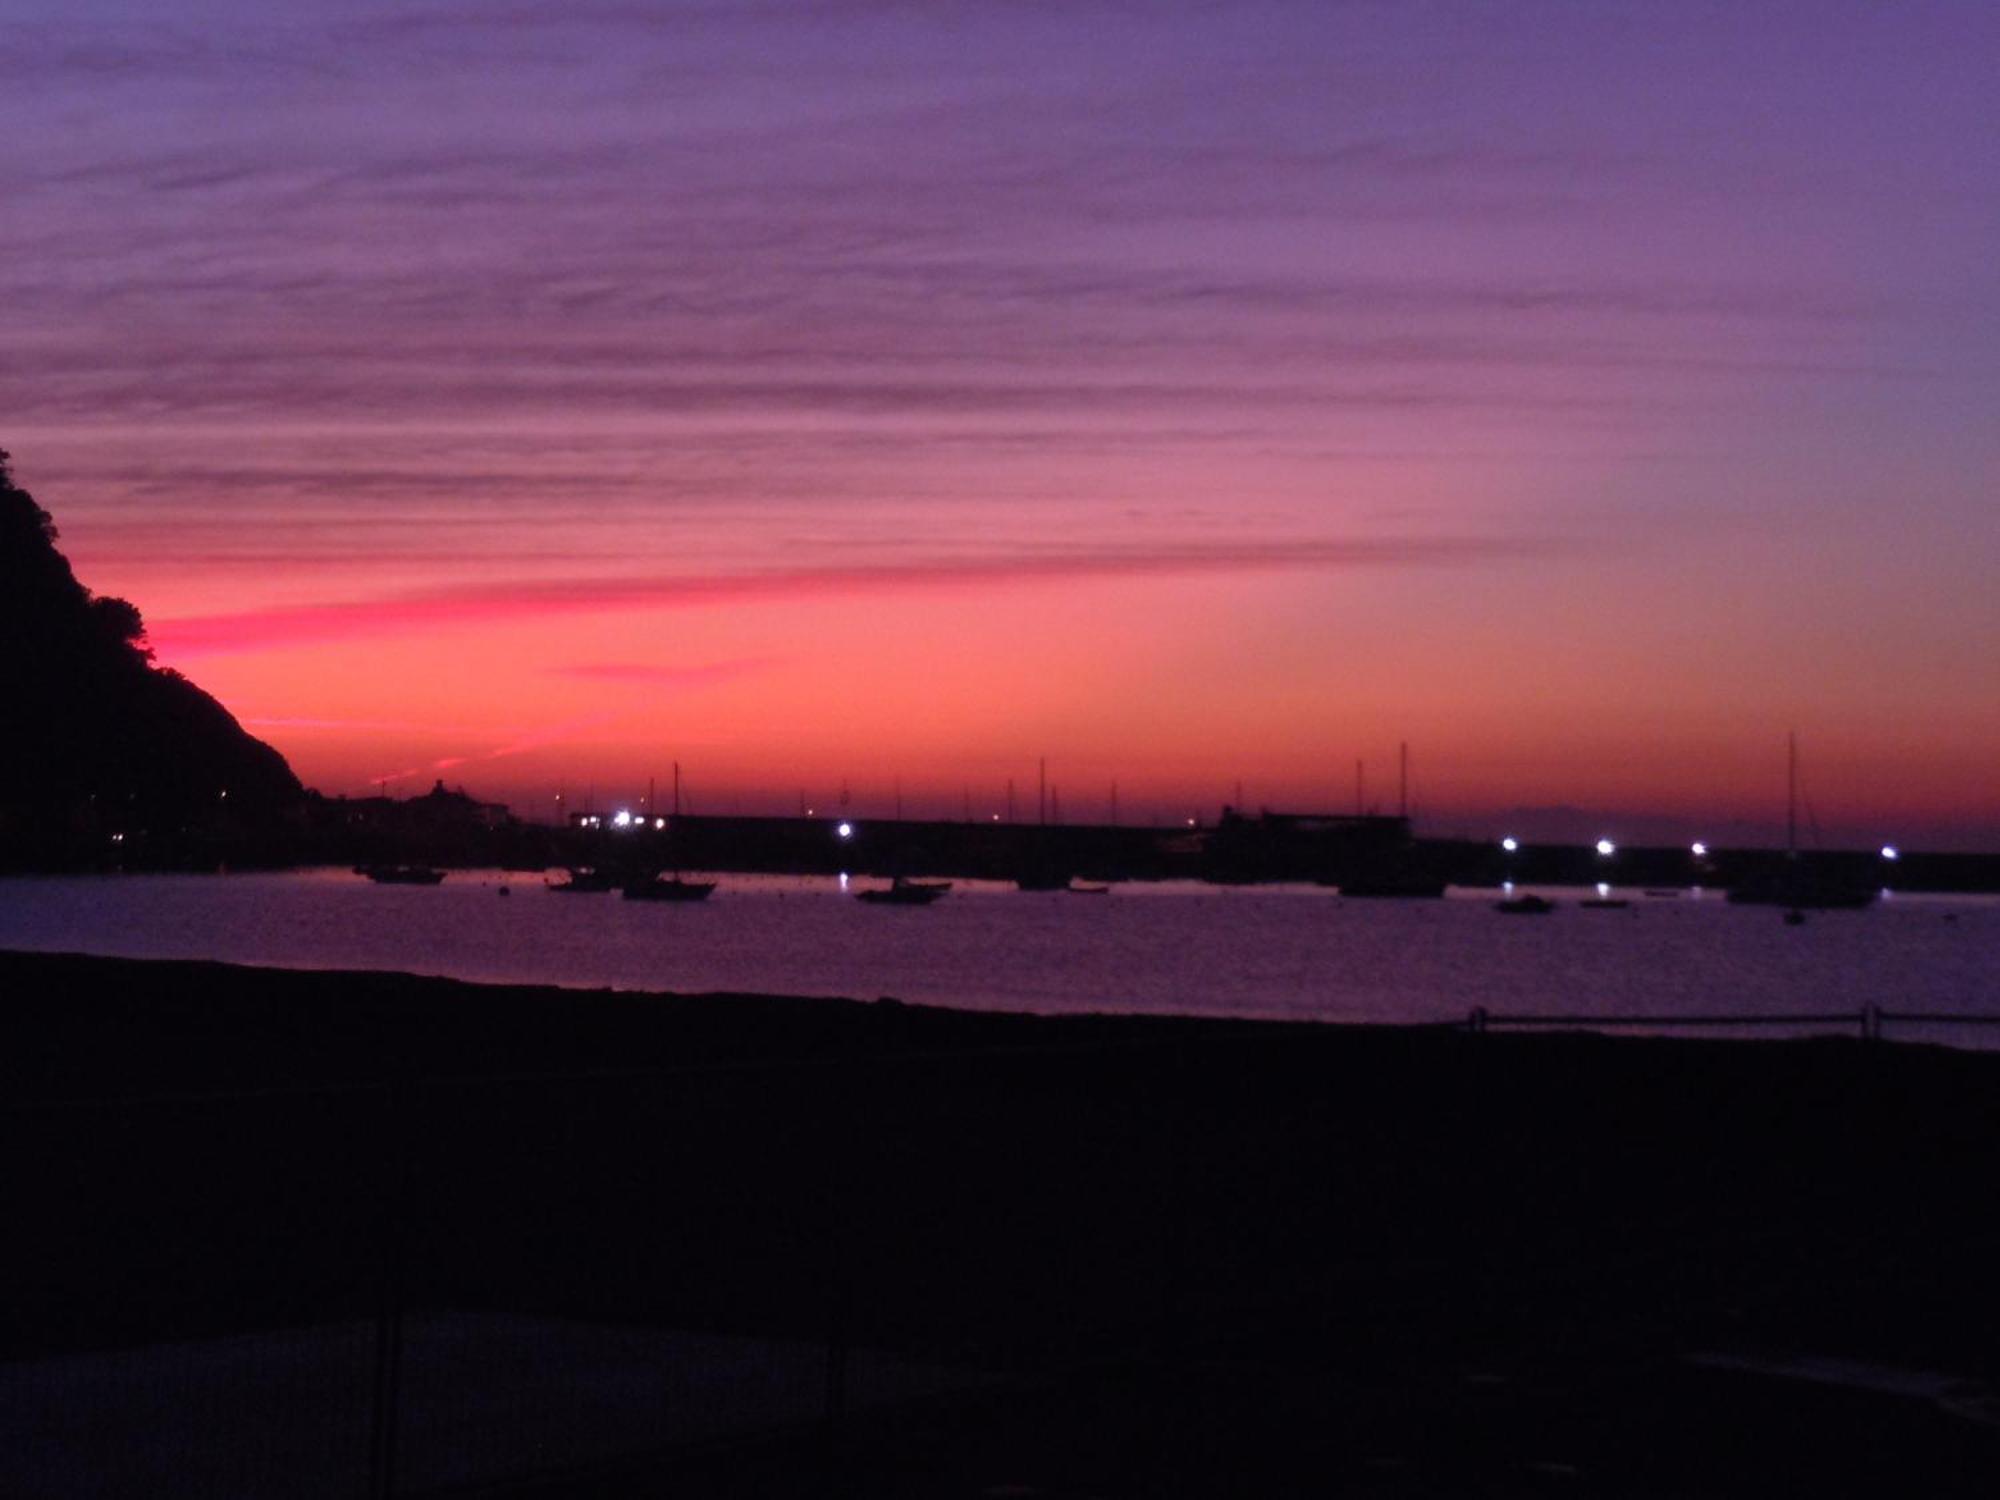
(1792, 793)
(1403, 780)
(677, 789)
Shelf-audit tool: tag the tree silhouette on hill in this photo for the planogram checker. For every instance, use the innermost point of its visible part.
(97, 735)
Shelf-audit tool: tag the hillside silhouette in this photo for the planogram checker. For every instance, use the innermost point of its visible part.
(100, 740)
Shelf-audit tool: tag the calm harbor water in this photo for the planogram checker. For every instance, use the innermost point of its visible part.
(1287, 952)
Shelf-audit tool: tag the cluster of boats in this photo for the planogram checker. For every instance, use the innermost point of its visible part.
(640, 888)
(902, 891)
(676, 887)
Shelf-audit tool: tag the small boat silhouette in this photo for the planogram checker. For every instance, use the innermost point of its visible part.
(669, 888)
(401, 874)
(901, 892)
(583, 883)
(1043, 880)
(1525, 906)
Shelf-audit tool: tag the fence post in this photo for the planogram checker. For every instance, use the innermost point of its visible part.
(389, 1295)
(837, 1147)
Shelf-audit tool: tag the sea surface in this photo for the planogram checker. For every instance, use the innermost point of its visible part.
(1273, 951)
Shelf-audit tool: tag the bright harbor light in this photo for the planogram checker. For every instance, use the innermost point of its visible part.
(1891, 853)
(845, 830)
(1606, 848)
(1510, 843)
(621, 819)
(1698, 849)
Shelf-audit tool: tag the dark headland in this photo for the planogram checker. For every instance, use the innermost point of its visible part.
(100, 741)
(436, 1236)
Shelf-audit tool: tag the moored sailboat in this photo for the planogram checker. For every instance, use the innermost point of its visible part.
(1796, 885)
(672, 887)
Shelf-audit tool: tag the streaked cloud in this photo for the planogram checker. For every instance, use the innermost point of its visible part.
(1655, 337)
(488, 603)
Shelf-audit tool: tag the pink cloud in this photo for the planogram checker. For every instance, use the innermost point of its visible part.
(438, 609)
(538, 739)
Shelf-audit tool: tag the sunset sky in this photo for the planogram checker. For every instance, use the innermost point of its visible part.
(532, 394)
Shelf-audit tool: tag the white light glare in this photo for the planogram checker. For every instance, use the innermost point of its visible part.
(1510, 843)
(659, 822)
(1603, 891)
(1698, 849)
(1891, 853)
(845, 830)
(1606, 848)
(621, 818)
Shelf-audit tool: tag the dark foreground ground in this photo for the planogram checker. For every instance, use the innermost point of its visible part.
(335, 1234)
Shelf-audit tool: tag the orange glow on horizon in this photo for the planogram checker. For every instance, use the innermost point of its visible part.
(1143, 681)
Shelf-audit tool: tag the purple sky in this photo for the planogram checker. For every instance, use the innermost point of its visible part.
(1627, 372)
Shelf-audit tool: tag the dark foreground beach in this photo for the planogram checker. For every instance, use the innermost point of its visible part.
(276, 1233)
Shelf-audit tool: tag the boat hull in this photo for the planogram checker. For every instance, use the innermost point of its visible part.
(903, 895)
(670, 890)
(402, 874)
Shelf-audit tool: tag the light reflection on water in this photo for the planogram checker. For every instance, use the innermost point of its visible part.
(1296, 952)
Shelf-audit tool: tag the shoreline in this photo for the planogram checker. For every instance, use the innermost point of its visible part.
(274, 1008)
(1290, 1245)
(1462, 865)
